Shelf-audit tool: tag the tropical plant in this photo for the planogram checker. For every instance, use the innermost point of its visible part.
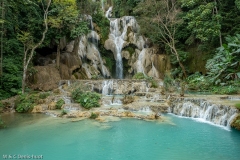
(197, 81)
(224, 65)
(86, 99)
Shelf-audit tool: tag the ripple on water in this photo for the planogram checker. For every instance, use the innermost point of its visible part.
(127, 139)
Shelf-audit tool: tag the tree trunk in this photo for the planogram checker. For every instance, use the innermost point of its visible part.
(58, 55)
(29, 49)
(179, 62)
(24, 80)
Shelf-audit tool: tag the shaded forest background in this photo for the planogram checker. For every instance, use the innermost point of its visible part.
(207, 29)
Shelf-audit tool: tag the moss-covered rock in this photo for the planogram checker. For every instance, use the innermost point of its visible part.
(236, 122)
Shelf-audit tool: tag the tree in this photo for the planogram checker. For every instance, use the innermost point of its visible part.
(161, 18)
(28, 41)
(203, 19)
(64, 19)
(2, 32)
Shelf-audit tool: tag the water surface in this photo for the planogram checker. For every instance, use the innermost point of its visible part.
(127, 139)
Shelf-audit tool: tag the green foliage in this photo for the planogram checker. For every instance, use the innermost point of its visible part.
(139, 75)
(1, 105)
(44, 95)
(26, 102)
(225, 89)
(11, 78)
(154, 83)
(86, 99)
(96, 77)
(197, 81)
(79, 29)
(64, 112)
(224, 66)
(237, 105)
(93, 115)
(103, 24)
(60, 103)
(203, 20)
(167, 82)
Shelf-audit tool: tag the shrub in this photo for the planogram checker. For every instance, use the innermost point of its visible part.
(94, 115)
(197, 81)
(44, 95)
(225, 89)
(139, 76)
(25, 103)
(1, 105)
(60, 103)
(86, 99)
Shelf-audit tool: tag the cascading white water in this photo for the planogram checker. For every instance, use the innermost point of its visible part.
(140, 61)
(118, 34)
(88, 49)
(65, 96)
(107, 87)
(205, 111)
(109, 12)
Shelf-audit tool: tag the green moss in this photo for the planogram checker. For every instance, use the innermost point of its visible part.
(44, 95)
(139, 76)
(94, 115)
(63, 112)
(154, 83)
(236, 122)
(131, 49)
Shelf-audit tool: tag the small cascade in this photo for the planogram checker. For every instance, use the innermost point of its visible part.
(88, 49)
(107, 87)
(103, 7)
(140, 62)
(65, 96)
(205, 111)
(109, 12)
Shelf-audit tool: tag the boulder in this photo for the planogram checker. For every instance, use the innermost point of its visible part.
(46, 78)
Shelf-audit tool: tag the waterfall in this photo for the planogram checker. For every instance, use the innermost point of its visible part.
(109, 12)
(88, 49)
(140, 62)
(107, 87)
(118, 41)
(118, 34)
(65, 96)
(204, 111)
